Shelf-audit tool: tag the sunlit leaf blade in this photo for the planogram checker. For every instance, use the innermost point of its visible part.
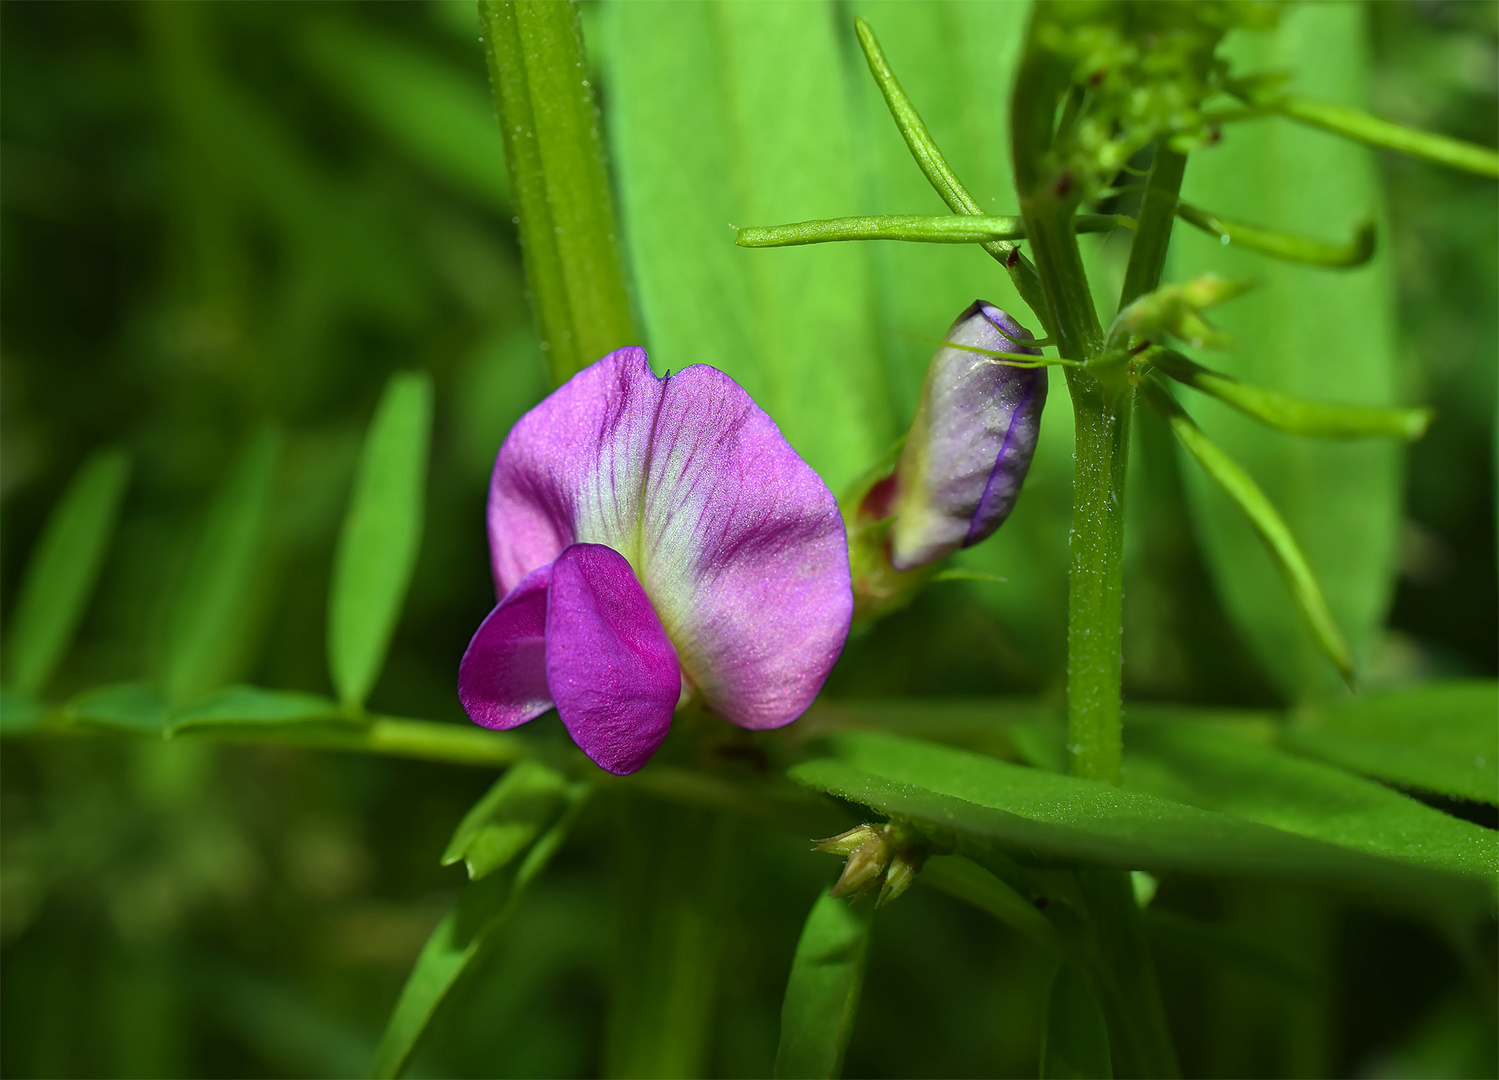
(1438, 737)
(1291, 414)
(754, 92)
(520, 806)
(1305, 332)
(136, 707)
(1043, 815)
(555, 156)
(209, 628)
(483, 907)
(250, 706)
(1075, 1038)
(1231, 768)
(438, 113)
(1283, 245)
(822, 994)
(1240, 487)
(61, 571)
(1355, 124)
(381, 534)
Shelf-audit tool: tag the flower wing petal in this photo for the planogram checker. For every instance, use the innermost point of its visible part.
(743, 553)
(572, 468)
(502, 679)
(612, 670)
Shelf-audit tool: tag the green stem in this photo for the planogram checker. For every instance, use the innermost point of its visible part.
(555, 156)
(1371, 130)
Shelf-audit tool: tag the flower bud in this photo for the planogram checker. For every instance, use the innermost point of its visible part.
(865, 868)
(971, 442)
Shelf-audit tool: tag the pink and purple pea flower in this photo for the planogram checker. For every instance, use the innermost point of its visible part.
(652, 540)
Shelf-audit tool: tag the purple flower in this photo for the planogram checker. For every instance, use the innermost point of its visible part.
(654, 539)
(971, 442)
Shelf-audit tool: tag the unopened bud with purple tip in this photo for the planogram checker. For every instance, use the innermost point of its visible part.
(971, 442)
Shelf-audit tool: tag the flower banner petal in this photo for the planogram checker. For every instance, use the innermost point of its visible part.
(743, 553)
(502, 679)
(572, 468)
(612, 670)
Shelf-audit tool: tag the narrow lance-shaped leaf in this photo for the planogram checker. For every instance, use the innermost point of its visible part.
(1283, 245)
(1246, 494)
(514, 812)
(438, 112)
(1074, 1038)
(555, 154)
(1437, 737)
(460, 938)
(822, 995)
(1355, 124)
(381, 534)
(1288, 413)
(210, 623)
(916, 228)
(62, 570)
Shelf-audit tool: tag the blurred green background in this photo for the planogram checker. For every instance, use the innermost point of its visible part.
(218, 216)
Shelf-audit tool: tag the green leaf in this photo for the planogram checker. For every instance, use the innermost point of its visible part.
(729, 113)
(1439, 737)
(18, 714)
(381, 534)
(135, 707)
(483, 907)
(250, 705)
(1074, 1038)
(967, 881)
(62, 569)
(1283, 245)
(435, 111)
(1266, 521)
(209, 629)
(1294, 415)
(1303, 332)
(1230, 767)
(520, 806)
(822, 994)
(1042, 815)
(555, 155)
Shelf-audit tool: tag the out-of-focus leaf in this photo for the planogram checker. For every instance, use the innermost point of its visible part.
(726, 114)
(251, 705)
(1307, 332)
(208, 632)
(381, 533)
(438, 113)
(62, 569)
(971, 883)
(673, 915)
(515, 811)
(17, 713)
(1220, 766)
(483, 907)
(135, 707)
(822, 994)
(1075, 1038)
(1440, 737)
(1043, 815)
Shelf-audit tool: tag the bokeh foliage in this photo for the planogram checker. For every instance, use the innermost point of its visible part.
(226, 226)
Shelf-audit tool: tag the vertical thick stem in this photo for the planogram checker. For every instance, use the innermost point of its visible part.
(554, 153)
(1147, 255)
